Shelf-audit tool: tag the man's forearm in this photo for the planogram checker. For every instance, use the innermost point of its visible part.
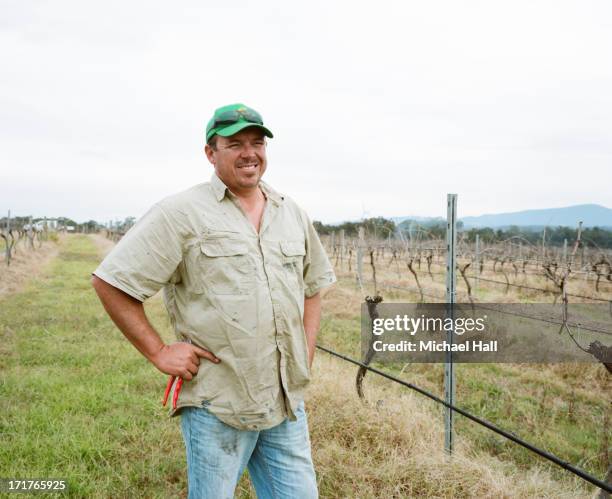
(312, 321)
(129, 316)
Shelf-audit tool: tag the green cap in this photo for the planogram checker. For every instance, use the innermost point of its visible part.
(229, 120)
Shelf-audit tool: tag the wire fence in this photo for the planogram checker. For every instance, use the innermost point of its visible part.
(480, 421)
(400, 255)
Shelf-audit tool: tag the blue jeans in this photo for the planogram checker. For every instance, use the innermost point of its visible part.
(278, 459)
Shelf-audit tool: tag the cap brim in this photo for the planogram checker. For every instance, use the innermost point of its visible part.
(241, 125)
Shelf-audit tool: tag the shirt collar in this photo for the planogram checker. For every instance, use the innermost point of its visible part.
(218, 187)
(271, 193)
(219, 190)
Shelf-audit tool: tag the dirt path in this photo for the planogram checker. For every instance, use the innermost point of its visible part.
(103, 244)
(25, 265)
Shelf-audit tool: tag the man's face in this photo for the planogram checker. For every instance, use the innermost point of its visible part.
(239, 160)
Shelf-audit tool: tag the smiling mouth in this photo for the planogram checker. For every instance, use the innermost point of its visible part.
(248, 166)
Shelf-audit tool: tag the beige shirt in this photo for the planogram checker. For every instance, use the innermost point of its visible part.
(232, 291)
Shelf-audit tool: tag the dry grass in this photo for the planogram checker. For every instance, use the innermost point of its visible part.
(25, 265)
(392, 446)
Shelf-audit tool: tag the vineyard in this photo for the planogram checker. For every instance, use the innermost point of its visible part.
(26, 233)
(21, 236)
(561, 409)
(512, 269)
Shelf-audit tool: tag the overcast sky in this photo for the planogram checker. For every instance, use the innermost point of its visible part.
(378, 108)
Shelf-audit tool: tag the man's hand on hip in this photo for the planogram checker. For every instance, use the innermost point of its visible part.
(178, 359)
(181, 359)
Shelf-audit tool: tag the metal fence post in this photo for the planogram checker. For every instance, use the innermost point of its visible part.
(451, 282)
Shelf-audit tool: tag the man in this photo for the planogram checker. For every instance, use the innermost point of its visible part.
(241, 267)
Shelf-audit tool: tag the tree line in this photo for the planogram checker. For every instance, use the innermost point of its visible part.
(17, 222)
(555, 236)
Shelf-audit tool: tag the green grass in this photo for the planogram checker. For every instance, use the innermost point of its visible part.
(79, 402)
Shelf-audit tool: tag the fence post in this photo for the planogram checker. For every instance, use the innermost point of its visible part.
(360, 258)
(451, 282)
(30, 233)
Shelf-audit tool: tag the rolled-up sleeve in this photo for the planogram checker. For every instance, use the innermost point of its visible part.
(145, 258)
(318, 271)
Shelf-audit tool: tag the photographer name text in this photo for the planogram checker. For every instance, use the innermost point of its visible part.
(435, 346)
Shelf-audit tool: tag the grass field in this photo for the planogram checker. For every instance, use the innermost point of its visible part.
(80, 403)
(72, 390)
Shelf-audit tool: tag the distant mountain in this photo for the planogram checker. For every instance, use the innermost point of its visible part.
(590, 214)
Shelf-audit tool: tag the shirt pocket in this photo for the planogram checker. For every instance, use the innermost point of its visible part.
(223, 266)
(292, 259)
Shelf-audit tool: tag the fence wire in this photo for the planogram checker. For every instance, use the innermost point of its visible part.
(483, 422)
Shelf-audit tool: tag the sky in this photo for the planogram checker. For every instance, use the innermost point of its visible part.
(378, 108)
